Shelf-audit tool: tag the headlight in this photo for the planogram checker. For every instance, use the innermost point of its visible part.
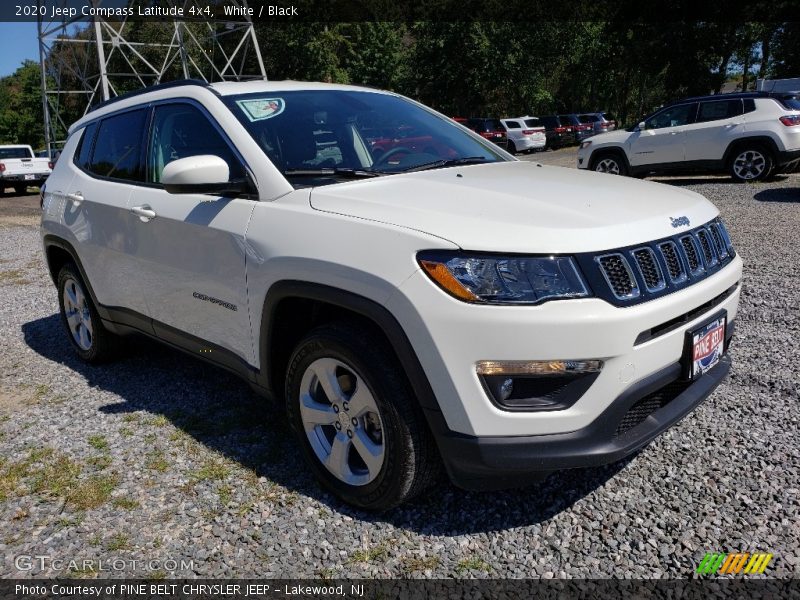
(586, 144)
(505, 280)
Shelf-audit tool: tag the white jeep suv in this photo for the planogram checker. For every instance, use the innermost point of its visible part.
(416, 308)
(749, 135)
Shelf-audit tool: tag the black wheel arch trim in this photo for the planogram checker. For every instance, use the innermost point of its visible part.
(756, 140)
(360, 305)
(618, 151)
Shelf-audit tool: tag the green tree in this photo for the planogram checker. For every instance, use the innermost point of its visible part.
(21, 120)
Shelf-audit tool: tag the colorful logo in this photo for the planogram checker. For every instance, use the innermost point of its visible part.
(724, 564)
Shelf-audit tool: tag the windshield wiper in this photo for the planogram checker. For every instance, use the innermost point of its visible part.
(335, 172)
(447, 162)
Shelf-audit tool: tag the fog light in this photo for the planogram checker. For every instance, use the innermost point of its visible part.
(537, 385)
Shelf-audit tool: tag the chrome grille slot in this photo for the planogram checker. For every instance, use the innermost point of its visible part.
(719, 242)
(692, 253)
(670, 253)
(618, 275)
(709, 257)
(649, 269)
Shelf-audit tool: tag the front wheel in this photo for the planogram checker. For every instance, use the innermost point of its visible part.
(751, 164)
(611, 164)
(358, 423)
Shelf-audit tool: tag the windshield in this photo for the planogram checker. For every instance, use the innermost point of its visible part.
(15, 152)
(308, 134)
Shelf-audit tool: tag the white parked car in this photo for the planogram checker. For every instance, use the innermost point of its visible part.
(19, 168)
(750, 135)
(525, 134)
(416, 308)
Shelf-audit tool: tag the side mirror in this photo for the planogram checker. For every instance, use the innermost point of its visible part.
(640, 126)
(202, 174)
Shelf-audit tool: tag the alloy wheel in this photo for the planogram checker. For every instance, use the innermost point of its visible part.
(607, 165)
(750, 164)
(342, 421)
(76, 311)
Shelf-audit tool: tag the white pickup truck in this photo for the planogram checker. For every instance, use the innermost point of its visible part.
(19, 168)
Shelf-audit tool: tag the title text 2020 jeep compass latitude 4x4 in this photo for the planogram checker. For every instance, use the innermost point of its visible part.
(417, 308)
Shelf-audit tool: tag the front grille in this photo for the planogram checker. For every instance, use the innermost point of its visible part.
(619, 276)
(645, 407)
(627, 276)
(670, 253)
(649, 269)
(692, 254)
(708, 252)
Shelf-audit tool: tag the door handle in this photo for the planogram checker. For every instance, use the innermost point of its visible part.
(76, 198)
(144, 212)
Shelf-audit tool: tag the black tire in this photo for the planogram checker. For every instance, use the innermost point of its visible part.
(511, 147)
(102, 343)
(609, 162)
(410, 460)
(20, 190)
(751, 163)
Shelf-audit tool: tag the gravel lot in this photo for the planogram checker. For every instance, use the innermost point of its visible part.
(160, 457)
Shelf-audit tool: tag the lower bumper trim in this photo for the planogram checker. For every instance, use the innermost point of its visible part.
(503, 462)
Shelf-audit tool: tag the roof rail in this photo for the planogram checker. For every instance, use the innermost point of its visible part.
(152, 88)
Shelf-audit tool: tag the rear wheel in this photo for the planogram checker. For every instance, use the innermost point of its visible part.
(90, 339)
(358, 423)
(752, 163)
(610, 163)
(512, 148)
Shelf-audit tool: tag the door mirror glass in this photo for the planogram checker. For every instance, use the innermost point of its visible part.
(641, 125)
(201, 174)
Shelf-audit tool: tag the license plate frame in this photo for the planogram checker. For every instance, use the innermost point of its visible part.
(705, 346)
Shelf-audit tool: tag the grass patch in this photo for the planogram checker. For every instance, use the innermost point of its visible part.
(13, 277)
(212, 470)
(99, 462)
(86, 572)
(125, 503)
(131, 418)
(472, 564)
(118, 542)
(326, 573)
(158, 421)
(40, 392)
(94, 492)
(156, 462)
(225, 493)
(367, 555)
(412, 564)
(126, 431)
(98, 442)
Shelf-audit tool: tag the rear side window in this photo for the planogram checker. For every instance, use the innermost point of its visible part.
(117, 149)
(719, 109)
(181, 131)
(15, 152)
(749, 105)
(84, 149)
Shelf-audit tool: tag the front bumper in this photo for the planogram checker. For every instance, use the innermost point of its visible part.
(481, 463)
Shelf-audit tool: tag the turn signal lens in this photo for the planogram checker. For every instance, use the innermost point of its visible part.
(442, 275)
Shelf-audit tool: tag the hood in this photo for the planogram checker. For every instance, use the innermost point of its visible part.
(619, 136)
(520, 207)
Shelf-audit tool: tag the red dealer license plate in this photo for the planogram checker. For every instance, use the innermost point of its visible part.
(706, 346)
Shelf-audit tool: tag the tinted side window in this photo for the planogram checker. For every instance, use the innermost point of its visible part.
(719, 109)
(180, 131)
(117, 149)
(550, 122)
(672, 117)
(513, 124)
(84, 149)
(749, 105)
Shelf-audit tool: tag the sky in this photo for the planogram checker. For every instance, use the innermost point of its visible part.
(18, 41)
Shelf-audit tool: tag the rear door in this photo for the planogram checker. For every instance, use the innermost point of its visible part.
(718, 123)
(663, 139)
(108, 167)
(192, 252)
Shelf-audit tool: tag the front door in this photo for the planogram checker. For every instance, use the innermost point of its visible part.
(663, 140)
(192, 246)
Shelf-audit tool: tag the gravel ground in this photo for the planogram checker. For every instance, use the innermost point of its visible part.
(158, 457)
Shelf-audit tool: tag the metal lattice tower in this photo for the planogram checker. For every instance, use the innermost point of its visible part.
(87, 60)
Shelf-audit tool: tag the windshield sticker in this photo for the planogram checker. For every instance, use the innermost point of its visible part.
(262, 108)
